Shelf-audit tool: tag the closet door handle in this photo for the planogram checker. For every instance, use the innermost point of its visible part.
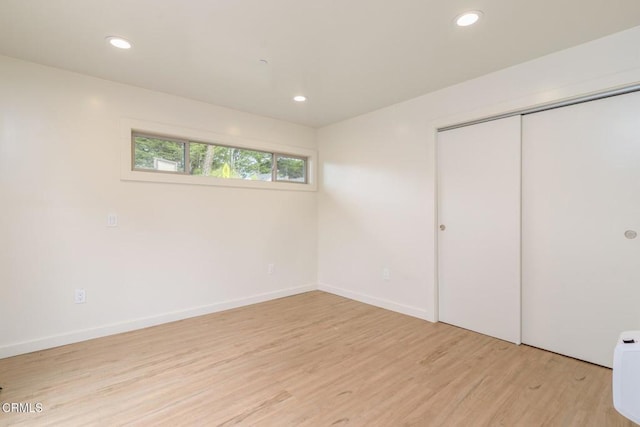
(442, 227)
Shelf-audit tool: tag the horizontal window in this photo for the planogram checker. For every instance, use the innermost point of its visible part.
(160, 154)
(156, 153)
(292, 169)
(229, 162)
(164, 153)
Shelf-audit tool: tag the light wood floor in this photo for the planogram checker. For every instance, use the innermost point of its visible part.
(314, 360)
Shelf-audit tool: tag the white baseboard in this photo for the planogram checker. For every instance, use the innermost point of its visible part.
(378, 302)
(130, 325)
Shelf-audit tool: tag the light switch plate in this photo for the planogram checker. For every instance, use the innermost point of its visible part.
(112, 220)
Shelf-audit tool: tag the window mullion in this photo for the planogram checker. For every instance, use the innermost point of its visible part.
(187, 160)
(273, 167)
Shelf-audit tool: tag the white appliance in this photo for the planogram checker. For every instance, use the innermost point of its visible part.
(626, 375)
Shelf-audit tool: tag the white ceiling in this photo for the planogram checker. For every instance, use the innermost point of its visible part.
(347, 56)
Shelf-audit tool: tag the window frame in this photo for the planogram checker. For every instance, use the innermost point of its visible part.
(132, 128)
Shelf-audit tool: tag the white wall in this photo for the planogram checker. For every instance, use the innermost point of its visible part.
(180, 250)
(377, 187)
(183, 250)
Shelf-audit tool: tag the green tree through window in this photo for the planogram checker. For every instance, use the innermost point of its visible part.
(205, 159)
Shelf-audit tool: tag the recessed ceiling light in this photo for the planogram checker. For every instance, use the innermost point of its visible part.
(299, 98)
(119, 42)
(468, 18)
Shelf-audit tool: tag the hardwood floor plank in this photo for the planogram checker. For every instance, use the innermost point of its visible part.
(313, 359)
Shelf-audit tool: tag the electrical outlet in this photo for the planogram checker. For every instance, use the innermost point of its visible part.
(386, 273)
(80, 296)
(271, 268)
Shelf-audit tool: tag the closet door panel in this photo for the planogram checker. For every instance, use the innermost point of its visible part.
(581, 193)
(479, 237)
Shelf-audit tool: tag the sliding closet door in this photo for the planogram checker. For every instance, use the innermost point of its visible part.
(581, 210)
(479, 235)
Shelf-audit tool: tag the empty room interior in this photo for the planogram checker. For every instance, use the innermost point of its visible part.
(283, 213)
